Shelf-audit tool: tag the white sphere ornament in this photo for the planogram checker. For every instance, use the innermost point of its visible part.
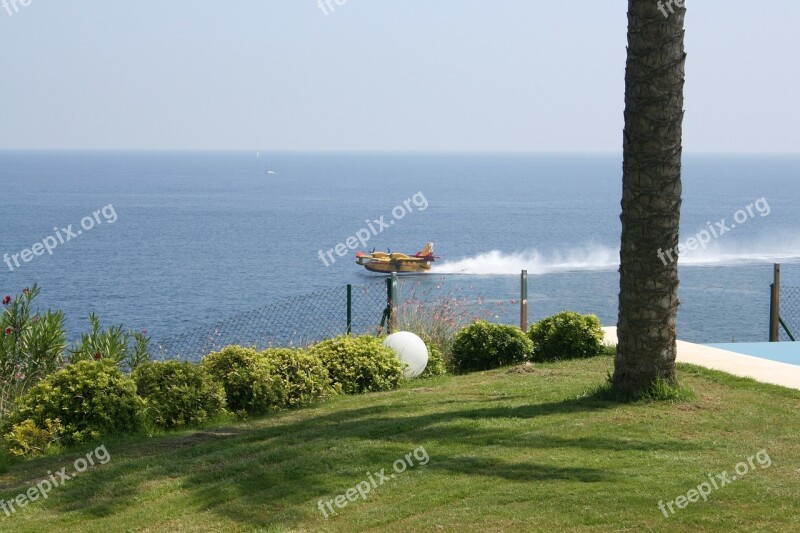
(411, 351)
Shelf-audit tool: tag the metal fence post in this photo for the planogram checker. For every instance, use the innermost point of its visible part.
(775, 305)
(523, 301)
(349, 309)
(393, 305)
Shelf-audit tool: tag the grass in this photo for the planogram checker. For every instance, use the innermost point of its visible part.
(529, 448)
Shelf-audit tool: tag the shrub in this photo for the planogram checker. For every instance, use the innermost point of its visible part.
(252, 385)
(359, 364)
(128, 349)
(566, 335)
(27, 439)
(178, 394)
(483, 345)
(609, 349)
(91, 399)
(436, 360)
(306, 378)
(31, 347)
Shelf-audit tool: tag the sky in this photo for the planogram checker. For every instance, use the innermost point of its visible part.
(380, 75)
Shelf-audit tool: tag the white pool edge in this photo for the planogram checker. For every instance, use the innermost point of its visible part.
(763, 370)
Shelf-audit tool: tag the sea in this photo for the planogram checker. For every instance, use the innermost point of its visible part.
(171, 241)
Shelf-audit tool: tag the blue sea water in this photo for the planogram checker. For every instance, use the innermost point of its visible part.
(196, 237)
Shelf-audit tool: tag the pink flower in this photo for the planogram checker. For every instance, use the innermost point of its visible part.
(7, 300)
(9, 331)
(144, 332)
(97, 356)
(25, 291)
(20, 376)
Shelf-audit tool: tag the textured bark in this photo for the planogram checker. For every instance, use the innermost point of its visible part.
(651, 197)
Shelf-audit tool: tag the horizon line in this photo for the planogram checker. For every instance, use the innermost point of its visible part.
(376, 151)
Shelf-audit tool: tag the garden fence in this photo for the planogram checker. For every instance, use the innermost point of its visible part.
(790, 314)
(784, 320)
(288, 322)
(376, 308)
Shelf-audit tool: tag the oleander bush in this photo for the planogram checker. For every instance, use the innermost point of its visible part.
(253, 385)
(483, 346)
(179, 394)
(90, 399)
(32, 345)
(567, 335)
(359, 364)
(128, 349)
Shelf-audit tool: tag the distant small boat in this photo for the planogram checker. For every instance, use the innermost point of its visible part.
(387, 262)
(270, 172)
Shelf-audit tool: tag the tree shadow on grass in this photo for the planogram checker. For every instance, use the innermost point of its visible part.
(273, 474)
(524, 471)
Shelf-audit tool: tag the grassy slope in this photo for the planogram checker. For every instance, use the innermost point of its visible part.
(509, 451)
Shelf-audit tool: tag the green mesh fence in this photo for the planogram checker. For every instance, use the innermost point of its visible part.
(790, 313)
(438, 307)
(291, 321)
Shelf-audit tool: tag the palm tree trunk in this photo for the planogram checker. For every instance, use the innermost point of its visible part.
(651, 196)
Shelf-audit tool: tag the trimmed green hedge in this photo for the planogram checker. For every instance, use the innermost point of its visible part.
(483, 346)
(90, 399)
(179, 394)
(306, 378)
(567, 335)
(252, 384)
(359, 364)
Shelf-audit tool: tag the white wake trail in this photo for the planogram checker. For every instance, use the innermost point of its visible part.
(534, 261)
(600, 258)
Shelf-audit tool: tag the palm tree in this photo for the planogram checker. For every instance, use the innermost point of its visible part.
(651, 196)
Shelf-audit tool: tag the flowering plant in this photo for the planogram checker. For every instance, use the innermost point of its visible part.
(128, 349)
(437, 313)
(32, 345)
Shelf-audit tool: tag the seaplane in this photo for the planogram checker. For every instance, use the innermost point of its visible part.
(388, 262)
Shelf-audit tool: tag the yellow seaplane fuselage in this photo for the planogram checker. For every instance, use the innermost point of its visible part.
(387, 262)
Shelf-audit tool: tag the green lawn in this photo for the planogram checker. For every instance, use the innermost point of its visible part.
(509, 450)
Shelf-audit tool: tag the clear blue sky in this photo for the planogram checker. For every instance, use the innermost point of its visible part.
(489, 75)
